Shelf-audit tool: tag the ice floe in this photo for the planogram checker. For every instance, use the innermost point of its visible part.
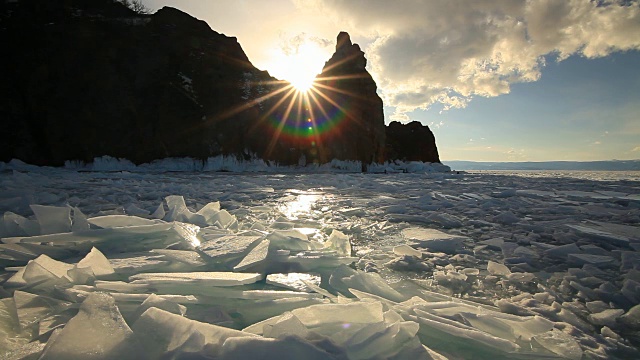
(148, 264)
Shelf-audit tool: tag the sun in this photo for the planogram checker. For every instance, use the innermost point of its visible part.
(299, 66)
(300, 79)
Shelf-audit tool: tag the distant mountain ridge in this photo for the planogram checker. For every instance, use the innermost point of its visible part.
(609, 165)
(90, 78)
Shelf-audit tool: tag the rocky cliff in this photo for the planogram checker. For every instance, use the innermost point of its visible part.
(346, 88)
(411, 142)
(87, 78)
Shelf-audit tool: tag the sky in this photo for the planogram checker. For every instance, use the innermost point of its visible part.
(495, 80)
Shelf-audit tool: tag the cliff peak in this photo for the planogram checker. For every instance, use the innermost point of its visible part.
(345, 80)
(344, 40)
(174, 88)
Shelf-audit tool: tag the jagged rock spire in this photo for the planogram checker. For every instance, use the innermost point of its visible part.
(348, 56)
(353, 94)
(343, 40)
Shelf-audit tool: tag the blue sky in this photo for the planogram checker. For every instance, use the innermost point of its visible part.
(580, 109)
(496, 80)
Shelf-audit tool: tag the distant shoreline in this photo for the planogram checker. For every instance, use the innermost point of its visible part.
(609, 165)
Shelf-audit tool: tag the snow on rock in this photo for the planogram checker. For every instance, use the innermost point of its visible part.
(108, 163)
(233, 164)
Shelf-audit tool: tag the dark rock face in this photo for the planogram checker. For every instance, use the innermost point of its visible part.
(87, 78)
(411, 142)
(340, 118)
(350, 92)
(90, 78)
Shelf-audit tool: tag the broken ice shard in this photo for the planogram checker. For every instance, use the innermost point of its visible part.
(53, 219)
(255, 257)
(432, 239)
(226, 249)
(339, 242)
(97, 332)
(114, 221)
(173, 333)
(197, 278)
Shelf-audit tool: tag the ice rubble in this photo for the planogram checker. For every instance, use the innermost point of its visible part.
(167, 281)
(232, 164)
(118, 315)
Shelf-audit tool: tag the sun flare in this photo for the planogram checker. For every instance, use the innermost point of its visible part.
(298, 66)
(302, 82)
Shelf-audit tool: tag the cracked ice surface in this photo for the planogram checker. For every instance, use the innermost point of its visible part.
(346, 266)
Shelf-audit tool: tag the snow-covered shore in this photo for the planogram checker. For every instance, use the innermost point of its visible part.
(233, 164)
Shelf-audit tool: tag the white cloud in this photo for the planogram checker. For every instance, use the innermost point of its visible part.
(401, 117)
(448, 51)
(291, 45)
(636, 149)
(436, 125)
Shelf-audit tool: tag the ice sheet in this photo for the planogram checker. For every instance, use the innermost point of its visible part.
(113, 221)
(197, 278)
(506, 268)
(97, 332)
(432, 239)
(52, 219)
(227, 247)
(255, 257)
(174, 334)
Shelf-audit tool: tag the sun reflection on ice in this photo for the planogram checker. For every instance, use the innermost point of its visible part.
(307, 230)
(302, 206)
(188, 231)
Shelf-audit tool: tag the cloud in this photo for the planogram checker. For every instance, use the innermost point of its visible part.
(448, 51)
(436, 125)
(636, 149)
(290, 45)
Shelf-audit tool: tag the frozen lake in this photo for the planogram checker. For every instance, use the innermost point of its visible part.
(475, 265)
